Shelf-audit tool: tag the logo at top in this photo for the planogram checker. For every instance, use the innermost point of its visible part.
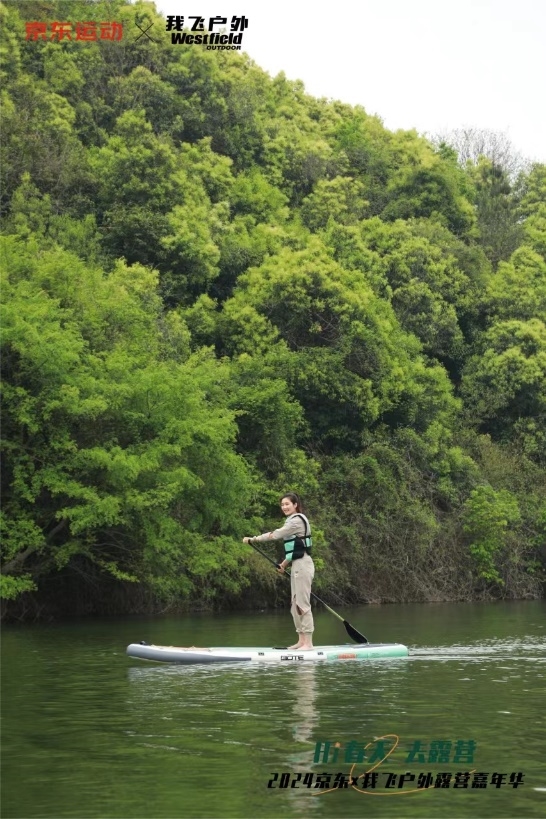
(217, 40)
(84, 32)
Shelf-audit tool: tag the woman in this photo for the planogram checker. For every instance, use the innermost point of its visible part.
(296, 535)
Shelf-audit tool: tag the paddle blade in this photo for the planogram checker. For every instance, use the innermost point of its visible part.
(354, 634)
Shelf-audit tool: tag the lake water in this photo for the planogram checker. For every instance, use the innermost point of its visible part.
(89, 732)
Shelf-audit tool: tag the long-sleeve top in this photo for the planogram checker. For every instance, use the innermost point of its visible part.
(293, 527)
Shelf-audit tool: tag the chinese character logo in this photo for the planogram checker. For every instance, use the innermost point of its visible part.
(83, 31)
(209, 32)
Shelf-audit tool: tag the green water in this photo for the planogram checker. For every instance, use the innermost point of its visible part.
(90, 733)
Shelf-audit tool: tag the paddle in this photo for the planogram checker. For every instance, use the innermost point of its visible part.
(351, 630)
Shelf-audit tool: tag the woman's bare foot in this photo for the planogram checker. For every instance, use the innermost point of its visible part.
(306, 643)
(296, 645)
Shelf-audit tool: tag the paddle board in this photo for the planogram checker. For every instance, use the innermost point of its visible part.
(193, 654)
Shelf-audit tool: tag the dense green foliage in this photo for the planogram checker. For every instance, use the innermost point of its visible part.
(217, 288)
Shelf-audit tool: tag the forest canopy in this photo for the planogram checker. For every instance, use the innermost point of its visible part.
(217, 288)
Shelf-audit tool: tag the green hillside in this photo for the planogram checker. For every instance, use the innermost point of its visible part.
(217, 288)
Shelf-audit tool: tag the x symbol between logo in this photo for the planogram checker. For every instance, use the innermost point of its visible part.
(144, 31)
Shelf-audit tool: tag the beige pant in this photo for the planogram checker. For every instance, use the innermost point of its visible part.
(302, 573)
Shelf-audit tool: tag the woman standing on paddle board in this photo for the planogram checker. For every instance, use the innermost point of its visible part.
(296, 535)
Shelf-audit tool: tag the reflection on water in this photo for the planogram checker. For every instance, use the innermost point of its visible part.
(305, 697)
(481, 690)
(92, 733)
(305, 720)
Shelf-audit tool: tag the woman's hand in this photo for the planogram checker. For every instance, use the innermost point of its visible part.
(247, 539)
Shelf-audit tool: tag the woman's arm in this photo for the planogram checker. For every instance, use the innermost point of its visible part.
(292, 526)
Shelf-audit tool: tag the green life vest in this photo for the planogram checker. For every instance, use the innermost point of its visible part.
(298, 546)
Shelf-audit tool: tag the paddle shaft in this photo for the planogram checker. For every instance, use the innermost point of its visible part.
(351, 631)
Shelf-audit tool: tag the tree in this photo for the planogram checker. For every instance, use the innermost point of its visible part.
(497, 205)
(487, 517)
(471, 144)
(339, 346)
(504, 384)
(341, 199)
(38, 139)
(428, 185)
(119, 453)
(533, 208)
(518, 289)
(422, 281)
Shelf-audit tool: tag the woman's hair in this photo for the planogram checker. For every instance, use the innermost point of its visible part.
(295, 499)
